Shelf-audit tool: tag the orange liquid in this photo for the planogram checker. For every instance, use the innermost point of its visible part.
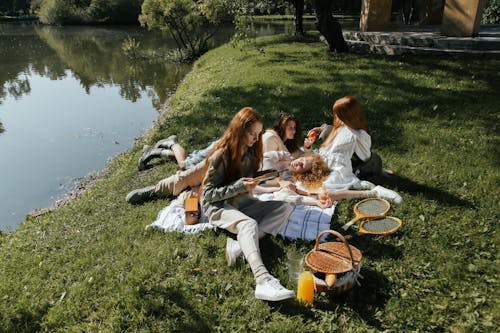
(305, 288)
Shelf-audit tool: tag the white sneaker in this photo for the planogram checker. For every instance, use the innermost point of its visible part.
(387, 194)
(233, 251)
(272, 290)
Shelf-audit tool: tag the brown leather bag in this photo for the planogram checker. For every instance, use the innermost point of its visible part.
(192, 210)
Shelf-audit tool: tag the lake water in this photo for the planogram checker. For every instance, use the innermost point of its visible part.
(70, 100)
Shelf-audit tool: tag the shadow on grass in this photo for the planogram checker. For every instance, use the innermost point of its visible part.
(365, 300)
(431, 193)
(23, 320)
(186, 317)
(409, 92)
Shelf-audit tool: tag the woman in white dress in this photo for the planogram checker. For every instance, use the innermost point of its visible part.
(348, 137)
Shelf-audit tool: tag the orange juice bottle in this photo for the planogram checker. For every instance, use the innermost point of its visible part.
(305, 288)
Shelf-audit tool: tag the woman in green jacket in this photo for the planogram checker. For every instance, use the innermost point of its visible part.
(228, 203)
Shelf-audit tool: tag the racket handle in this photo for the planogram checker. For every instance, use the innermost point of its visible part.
(348, 224)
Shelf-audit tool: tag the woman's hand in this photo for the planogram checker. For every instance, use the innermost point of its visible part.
(289, 186)
(324, 198)
(249, 184)
(325, 204)
(316, 130)
(308, 143)
(312, 135)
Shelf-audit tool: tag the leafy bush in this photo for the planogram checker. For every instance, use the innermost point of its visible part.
(491, 13)
(192, 24)
(60, 12)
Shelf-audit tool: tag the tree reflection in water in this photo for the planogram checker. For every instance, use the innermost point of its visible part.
(93, 55)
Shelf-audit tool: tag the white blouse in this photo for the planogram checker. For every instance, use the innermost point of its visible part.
(271, 141)
(338, 157)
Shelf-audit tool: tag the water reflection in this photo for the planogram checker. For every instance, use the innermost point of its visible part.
(100, 61)
(94, 56)
(71, 99)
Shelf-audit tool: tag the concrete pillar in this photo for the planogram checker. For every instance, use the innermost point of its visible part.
(432, 12)
(461, 18)
(375, 15)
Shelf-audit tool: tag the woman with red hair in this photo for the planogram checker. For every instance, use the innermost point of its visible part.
(228, 203)
(348, 137)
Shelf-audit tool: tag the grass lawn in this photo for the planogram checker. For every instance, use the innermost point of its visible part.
(91, 266)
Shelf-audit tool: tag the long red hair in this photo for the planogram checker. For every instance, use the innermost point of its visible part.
(233, 140)
(349, 112)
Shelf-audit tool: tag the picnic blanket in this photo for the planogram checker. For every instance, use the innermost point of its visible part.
(305, 222)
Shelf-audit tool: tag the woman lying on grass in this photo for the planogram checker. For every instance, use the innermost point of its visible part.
(284, 135)
(228, 202)
(304, 176)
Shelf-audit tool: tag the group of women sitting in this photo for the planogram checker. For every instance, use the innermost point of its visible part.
(225, 173)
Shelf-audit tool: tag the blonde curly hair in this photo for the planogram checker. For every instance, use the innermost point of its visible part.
(313, 179)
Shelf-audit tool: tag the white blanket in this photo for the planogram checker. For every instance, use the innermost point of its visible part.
(305, 222)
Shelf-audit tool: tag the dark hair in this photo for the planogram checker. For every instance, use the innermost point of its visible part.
(279, 127)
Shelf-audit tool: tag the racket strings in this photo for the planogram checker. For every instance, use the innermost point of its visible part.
(380, 225)
(372, 207)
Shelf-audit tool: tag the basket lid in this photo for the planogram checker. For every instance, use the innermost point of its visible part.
(333, 257)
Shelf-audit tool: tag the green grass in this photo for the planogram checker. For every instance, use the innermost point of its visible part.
(92, 266)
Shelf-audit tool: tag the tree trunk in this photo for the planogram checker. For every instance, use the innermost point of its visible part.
(329, 27)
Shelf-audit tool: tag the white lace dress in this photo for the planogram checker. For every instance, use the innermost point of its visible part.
(338, 157)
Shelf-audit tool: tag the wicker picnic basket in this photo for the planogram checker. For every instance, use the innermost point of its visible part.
(337, 260)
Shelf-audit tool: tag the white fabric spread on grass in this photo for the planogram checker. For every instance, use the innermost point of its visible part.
(305, 222)
(173, 218)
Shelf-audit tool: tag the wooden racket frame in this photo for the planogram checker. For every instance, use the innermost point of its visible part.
(362, 230)
(360, 216)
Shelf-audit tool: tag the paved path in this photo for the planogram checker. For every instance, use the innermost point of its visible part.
(424, 40)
